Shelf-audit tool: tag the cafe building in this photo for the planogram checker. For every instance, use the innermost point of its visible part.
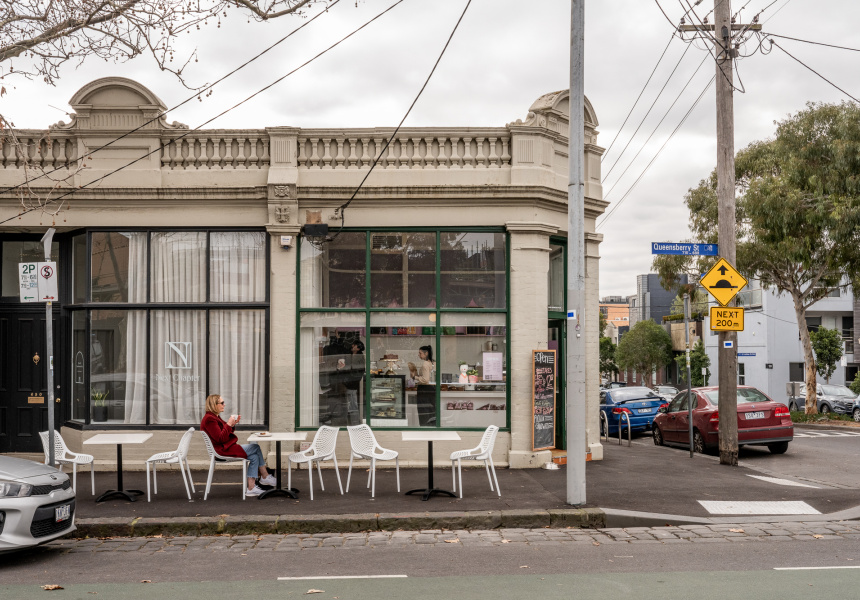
(237, 262)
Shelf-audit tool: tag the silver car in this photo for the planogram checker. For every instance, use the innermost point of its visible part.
(37, 504)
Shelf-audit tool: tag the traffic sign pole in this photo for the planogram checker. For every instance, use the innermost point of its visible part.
(49, 338)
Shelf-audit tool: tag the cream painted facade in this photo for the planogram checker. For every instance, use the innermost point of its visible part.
(514, 177)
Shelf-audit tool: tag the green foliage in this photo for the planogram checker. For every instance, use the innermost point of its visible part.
(799, 416)
(855, 385)
(98, 397)
(698, 360)
(827, 344)
(602, 323)
(646, 347)
(798, 211)
(607, 357)
(698, 303)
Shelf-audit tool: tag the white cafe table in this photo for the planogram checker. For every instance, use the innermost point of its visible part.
(430, 436)
(284, 436)
(118, 439)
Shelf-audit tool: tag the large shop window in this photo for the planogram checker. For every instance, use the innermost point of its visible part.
(168, 340)
(420, 342)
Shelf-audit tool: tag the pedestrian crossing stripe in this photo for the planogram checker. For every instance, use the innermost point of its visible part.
(812, 434)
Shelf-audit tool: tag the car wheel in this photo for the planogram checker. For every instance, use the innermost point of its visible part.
(778, 448)
(857, 414)
(825, 408)
(698, 443)
(658, 435)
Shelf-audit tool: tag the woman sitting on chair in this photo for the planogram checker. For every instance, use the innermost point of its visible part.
(226, 443)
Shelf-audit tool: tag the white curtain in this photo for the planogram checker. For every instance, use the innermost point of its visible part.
(135, 342)
(237, 350)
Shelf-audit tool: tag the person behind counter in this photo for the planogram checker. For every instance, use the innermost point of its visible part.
(226, 443)
(422, 374)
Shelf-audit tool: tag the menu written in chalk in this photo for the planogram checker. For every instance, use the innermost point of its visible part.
(543, 398)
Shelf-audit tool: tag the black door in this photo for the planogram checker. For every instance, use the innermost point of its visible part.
(24, 378)
(556, 341)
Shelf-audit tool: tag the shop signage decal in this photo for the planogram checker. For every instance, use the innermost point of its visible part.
(177, 355)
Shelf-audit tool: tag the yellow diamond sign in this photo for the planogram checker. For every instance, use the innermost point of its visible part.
(723, 281)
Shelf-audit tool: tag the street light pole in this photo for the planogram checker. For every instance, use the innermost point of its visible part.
(575, 363)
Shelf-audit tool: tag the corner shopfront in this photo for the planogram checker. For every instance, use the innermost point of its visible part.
(175, 283)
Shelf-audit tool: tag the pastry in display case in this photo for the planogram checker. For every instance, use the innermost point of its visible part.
(388, 400)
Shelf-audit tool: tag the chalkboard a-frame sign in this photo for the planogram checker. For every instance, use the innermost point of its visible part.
(543, 399)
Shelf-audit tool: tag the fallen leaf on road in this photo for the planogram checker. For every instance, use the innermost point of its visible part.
(313, 591)
(506, 541)
(146, 580)
(50, 588)
(737, 530)
(595, 543)
(818, 535)
(452, 541)
(524, 566)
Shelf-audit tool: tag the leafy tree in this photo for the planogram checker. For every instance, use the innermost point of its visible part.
(827, 344)
(698, 302)
(698, 360)
(855, 385)
(45, 35)
(608, 367)
(798, 214)
(646, 347)
(602, 323)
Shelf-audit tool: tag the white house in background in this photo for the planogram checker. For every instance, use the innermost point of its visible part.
(769, 348)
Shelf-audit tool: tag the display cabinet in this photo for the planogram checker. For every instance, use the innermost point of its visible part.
(388, 401)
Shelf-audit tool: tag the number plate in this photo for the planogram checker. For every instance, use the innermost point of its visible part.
(643, 411)
(755, 415)
(63, 512)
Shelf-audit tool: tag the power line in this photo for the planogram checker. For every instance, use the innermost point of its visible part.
(666, 114)
(196, 94)
(632, 187)
(238, 104)
(785, 37)
(650, 108)
(637, 99)
(346, 204)
(814, 71)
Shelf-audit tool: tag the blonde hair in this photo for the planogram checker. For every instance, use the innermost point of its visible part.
(212, 403)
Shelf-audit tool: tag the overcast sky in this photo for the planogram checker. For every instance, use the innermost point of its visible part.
(506, 54)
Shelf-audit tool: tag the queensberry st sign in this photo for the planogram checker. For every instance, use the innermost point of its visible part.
(684, 249)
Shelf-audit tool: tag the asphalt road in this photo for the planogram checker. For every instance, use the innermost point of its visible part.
(622, 565)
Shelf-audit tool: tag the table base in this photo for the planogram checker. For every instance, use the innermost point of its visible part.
(129, 495)
(288, 492)
(429, 492)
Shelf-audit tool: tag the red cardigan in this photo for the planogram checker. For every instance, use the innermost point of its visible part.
(221, 434)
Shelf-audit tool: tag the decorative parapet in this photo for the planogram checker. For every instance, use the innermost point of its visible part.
(216, 149)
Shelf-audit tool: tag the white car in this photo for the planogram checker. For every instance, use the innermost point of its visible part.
(667, 391)
(37, 504)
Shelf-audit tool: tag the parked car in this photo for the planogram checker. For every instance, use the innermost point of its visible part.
(639, 403)
(667, 391)
(831, 398)
(37, 504)
(855, 409)
(761, 421)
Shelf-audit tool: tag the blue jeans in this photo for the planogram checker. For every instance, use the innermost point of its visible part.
(255, 459)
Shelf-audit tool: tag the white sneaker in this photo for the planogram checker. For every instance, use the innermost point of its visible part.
(255, 492)
(269, 480)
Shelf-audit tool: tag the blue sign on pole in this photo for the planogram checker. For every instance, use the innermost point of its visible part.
(684, 249)
(746, 353)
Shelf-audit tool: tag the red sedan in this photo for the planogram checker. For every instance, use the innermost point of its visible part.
(761, 421)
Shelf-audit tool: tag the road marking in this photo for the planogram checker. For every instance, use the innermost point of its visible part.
(757, 508)
(342, 577)
(779, 481)
(816, 434)
(813, 568)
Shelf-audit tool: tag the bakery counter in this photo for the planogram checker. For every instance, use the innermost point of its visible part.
(464, 408)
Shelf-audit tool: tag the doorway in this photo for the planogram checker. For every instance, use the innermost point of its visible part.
(24, 378)
(555, 341)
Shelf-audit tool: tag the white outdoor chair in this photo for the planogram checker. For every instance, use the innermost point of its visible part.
(214, 457)
(64, 456)
(484, 452)
(178, 456)
(364, 445)
(322, 448)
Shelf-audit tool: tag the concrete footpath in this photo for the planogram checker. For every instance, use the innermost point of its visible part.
(642, 485)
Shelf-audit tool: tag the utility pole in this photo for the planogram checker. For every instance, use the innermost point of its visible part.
(727, 351)
(575, 363)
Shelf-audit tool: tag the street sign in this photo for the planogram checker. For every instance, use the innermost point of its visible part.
(684, 249)
(38, 281)
(727, 319)
(723, 281)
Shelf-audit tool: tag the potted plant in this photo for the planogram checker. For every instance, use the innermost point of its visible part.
(99, 402)
(473, 378)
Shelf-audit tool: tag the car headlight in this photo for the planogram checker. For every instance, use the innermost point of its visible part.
(12, 489)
